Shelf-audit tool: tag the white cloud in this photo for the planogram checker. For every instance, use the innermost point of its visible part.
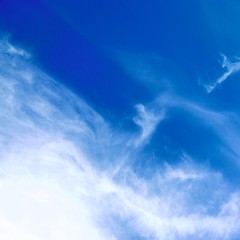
(16, 51)
(13, 51)
(231, 68)
(147, 120)
(56, 177)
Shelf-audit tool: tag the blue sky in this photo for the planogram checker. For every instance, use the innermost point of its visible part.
(128, 111)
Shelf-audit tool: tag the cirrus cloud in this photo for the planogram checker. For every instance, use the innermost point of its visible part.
(56, 177)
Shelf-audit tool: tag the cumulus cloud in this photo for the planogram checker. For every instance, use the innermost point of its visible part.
(231, 68)
(56, 177)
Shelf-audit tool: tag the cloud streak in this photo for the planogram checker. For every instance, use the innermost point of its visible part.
(231, 68)
(224, 124)
(57, 157)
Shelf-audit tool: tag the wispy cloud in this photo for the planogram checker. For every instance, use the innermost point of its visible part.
(149, 69)
(231, 68)
(147, 120)
(225, 124)
(56, 177)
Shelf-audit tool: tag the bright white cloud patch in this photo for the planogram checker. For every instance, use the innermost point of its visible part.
(56, 177)
(231, 68)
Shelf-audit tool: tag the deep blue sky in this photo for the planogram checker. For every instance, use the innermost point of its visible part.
(116, 54)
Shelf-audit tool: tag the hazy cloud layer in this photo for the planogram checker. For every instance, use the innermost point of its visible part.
(57, 170)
